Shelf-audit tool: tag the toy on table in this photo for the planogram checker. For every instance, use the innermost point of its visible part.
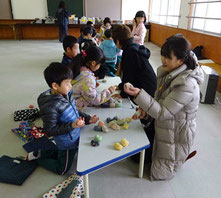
(124, 142)
(114, 102)
(118, 146)
(94, 143)
(101, 127)
(96, 140)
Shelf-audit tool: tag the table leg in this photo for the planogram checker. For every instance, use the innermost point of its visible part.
(86, 186)
(141, 164)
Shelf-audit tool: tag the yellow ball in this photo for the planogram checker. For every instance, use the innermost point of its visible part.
(124, 142)
(118, 146)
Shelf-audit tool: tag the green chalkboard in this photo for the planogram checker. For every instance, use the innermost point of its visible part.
(73, 6)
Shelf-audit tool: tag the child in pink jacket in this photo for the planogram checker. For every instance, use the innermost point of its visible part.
(139, 29)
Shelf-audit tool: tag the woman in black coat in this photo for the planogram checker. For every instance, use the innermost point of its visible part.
(136, 69)
(135, 65)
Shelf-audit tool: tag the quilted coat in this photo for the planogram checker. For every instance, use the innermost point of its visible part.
(174, 109)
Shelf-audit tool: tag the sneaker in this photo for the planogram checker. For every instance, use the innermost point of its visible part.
(33, 155)
(191, 155)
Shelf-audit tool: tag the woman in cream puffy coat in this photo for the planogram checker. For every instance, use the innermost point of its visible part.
(174, 106)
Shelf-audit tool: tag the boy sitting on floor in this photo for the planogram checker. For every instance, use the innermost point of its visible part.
(61, 120)
(71, 48)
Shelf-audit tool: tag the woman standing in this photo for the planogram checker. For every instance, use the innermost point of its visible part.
(139, 29)
(62, 15)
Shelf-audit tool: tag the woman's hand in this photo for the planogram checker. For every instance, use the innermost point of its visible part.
(139, 114)
(131, 90)
(93, 119)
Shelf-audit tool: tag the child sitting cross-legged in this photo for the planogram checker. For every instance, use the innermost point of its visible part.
(61, 120)
(84, 82)
(71, 48)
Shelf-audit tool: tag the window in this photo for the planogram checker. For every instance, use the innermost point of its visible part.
(165, 12)
(130, 8)
(206, 16)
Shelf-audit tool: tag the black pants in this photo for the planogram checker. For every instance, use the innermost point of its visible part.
(150, 132)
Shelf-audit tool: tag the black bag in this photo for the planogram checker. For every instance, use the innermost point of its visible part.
(26, 114)
(15, 170)
(198, 50)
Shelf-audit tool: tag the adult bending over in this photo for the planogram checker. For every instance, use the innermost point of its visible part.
(135, 65)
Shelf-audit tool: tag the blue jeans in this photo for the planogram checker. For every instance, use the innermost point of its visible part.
(63, 31)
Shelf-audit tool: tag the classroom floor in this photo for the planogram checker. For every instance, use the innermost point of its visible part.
(21, 81)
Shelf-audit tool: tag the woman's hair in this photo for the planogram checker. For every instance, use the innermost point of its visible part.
(140, 14)
(61, 4)
(121, 33)
(181, 48)
(93, 53)
(107, 20)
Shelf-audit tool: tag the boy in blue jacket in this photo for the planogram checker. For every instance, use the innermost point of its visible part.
(71, 49)
(110, 52)
(61, 119)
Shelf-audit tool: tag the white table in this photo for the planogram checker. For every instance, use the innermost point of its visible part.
(91, 159)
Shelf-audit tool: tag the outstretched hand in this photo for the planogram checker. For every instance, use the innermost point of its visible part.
(131, 90)
(112, 89)
(139, 114)
(93, 119)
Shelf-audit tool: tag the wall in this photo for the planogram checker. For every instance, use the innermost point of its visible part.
(211, 44)
(5, 9)
(29, 9)
(103, 8)
(129, 8)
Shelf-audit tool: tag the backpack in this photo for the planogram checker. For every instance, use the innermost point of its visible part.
(198, 50)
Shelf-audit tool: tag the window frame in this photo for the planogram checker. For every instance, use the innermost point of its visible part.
(192, 16)
(166, 15)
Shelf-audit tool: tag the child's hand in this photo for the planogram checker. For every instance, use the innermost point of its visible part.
(112, 89)
(131, 90)
(134, 23)
(117, 96)
(93, 119)
(139, 114)
(78, 123)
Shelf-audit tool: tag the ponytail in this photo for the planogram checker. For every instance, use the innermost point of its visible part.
(93, 53)
(190, 61)
(76, 65)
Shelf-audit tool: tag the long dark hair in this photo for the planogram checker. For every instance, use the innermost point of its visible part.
(141, 14)
(93, 53)
(61, 4)
(181, 48)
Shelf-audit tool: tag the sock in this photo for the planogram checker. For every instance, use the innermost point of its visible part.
(33, 155)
